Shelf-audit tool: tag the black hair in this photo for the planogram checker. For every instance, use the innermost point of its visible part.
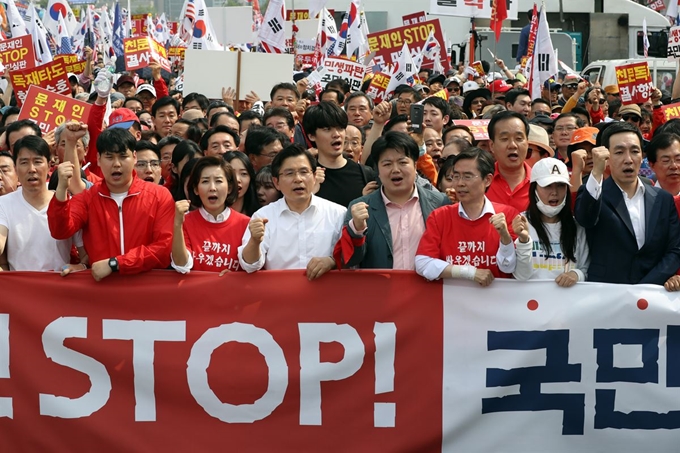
(339, 95)
(144, 145)
(618, 127)
(590, 90)
(568, 228)
(217, 129)
(17, 126)
(362, 132)
(116, 141)
(324, 114)
(389, 125)
(195, 131)
(579, 121)
(339, 84)
(540, 101)
(503, 116)
(148, 135)
(284, 86)
(169, 140)
(512, 95)
(250, 201)
(184, 121)
(216, 104)
(485, 162)
(582, 111)
(408, 90)
(216, 117)
(33, 143)
(292, 150)
(456, 127)
(133, 98)
(282, 112)
(195, 178)
(614, 106)
(183, 149)
(660, 141)
(440, 104)
(162, 102)
(530, 15)
(426, 71)
(178, 190)
(447, 166)
(359, 94)
(260, 136)
(199, 98)
(398, 141)
(248, 115)
(13, 110)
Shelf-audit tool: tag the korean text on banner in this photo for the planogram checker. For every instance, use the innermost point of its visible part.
(671, 111)
(71, 63)
(674, 43)
(51, 76)
(415, 18)
(378, 87)
(339, 68)
(479, 128)
(176, 54)
(635, 82)
(17, 53)
(388, 44)
(49, 110)
(140, 51)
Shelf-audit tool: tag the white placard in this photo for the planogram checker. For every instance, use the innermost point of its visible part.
(233, 24)
(207, 71)
(261, 71)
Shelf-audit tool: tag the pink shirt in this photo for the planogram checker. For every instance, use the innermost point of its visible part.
(407, 226)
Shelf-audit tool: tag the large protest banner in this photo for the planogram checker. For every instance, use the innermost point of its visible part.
(49, 109)
(356, 361)
(52, 76)
(17, 53)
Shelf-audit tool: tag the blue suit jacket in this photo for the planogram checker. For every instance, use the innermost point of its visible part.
(376, 253)
(614, 253)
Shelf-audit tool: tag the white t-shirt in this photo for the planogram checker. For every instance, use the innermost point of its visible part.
(30, 246)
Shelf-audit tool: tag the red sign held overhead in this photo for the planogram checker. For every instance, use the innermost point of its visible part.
(635, 83)
(140, 51)
(49, 110)
(415, 18)
(17, 53)
(51, 76)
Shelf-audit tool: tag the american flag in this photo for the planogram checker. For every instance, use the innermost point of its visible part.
(188, 21)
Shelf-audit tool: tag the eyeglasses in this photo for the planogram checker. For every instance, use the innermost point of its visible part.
(467, 177)
(142, 164)
(571, 86)
(353, 143)
(404, 101)
(290, 174)
(565, 128)
(633, 118)
(666, 161)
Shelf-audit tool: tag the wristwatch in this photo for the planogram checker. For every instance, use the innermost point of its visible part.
(113, 264)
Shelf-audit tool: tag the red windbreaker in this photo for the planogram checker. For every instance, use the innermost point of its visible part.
(139, 234)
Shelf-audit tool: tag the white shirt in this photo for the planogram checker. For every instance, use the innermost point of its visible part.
(30, 246)
(221, 217)
(292, 239)
(635, 206)
(431, 268)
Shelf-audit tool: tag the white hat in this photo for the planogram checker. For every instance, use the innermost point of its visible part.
(470, 85)
(146, 87)
(549, 170)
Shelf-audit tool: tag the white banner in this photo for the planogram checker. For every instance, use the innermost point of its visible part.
(338, 68)
(470, 8)
(674, 43)
(532, 367)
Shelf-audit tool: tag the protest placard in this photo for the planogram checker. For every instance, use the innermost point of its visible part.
(415, 18)
(141, 50)
(388, 44)
(378, 86)
(671, 111)
(176, 54)
(17, 53)
(51, 76)
(303, 14)
(232, 24)
(261, 71)
(208, 71)
(674, 43)
(49, 109)
(305, 39)
(635, 82)
(71, 63)
(338, 68)
(479, 128)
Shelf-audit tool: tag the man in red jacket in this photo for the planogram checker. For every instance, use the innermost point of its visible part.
(126, 222)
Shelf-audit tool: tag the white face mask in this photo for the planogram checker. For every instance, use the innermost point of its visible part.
(547, 210)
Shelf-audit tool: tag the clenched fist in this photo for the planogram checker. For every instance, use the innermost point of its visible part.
(499, 223)
(600, 158)
(359, 215)
(256, 227)
(520, 225)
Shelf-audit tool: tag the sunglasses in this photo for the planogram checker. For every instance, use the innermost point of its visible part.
(571, 86)
(633, 118)
(600, 100)
(451, 89)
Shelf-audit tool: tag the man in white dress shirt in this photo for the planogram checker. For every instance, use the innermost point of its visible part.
(298, 231)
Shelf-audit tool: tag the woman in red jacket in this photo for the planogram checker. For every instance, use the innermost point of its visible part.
(208, 238)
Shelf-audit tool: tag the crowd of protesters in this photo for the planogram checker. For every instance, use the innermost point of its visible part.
(570, 186)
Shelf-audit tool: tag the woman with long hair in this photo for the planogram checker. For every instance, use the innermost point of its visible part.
(208, 238)
(247, 202)
(550, 244)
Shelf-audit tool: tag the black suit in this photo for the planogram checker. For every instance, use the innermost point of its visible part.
(614, 253)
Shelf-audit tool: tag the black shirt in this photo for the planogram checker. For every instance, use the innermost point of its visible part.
(343, 185)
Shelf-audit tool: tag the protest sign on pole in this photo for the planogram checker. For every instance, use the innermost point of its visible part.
(478, 128)
(413, 19)
(49, 109)
(208, 71)
(671, 111)
(377, 89)
(17, 53)
(141, 50)
(635, 82)
(261, 71)
(176, 54)
(338, 68)
(71, 63)
(674, 43)
(51, 76)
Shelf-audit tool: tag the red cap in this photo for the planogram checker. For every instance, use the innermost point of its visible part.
(499, 86)
(122, 118)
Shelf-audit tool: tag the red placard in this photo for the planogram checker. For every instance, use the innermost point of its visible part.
(48, 109)
(635, 83)
(17, 54)
(656, 5)
(671, 111)
(267, 362)
(140, 51)
(388, 43)
(415, 18)
(303, 14)
(176, 54)
(173, 27)
(71, 63)
(51, 76)
(479, 128)
(377, 87)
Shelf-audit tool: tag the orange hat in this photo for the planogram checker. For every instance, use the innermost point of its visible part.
(611, 89)
(585, 134)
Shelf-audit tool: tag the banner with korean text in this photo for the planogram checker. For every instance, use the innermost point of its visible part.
(51, 76)
(49, 110)
(478, 128)
(71, 63)
(140, 51)
(338, 68)
(671, 111)
(635, 82)
(273, 362)
(387, 44)
(17, 53)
